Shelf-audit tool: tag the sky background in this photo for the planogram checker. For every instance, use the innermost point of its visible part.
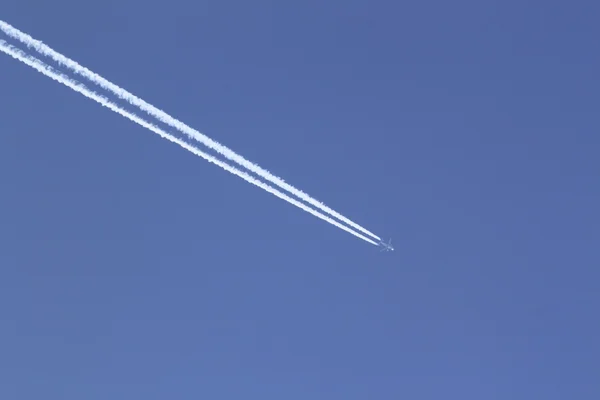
(467, 131)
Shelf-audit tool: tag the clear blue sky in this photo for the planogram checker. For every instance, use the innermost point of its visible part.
(467, 131)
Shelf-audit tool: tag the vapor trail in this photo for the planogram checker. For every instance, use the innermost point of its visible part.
(167, 119)
(78, 87)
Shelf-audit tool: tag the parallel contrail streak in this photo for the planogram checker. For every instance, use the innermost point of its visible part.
(76, 86)
(167, 119)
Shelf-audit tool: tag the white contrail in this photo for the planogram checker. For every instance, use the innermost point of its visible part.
(167, 119)
(49, 72)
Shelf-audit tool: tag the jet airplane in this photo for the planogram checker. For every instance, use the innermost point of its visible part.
(386, 246)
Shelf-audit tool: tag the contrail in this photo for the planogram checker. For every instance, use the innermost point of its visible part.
(167, 119)
(65, 80)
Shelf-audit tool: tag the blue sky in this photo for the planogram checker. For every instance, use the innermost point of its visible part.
(467, 131)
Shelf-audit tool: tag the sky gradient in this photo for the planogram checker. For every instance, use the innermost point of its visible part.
(467, 132)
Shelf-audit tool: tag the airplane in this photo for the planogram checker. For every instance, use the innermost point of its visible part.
(386, 246)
